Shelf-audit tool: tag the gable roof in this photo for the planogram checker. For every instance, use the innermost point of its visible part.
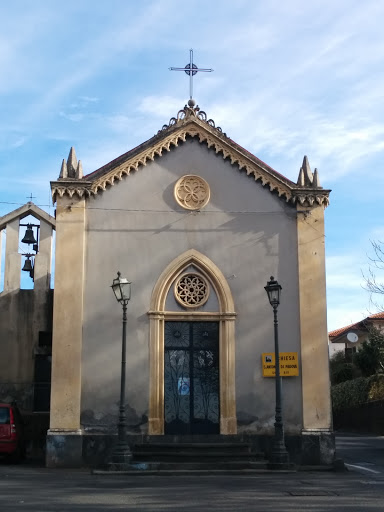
(25, 210)
(363, 325)
(192, 122)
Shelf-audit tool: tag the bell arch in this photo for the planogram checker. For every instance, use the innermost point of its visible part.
(225, 316)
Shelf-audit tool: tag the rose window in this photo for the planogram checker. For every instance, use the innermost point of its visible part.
(191, 290)
(192, 192)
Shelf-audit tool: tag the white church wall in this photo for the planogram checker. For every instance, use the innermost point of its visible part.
(137, 227)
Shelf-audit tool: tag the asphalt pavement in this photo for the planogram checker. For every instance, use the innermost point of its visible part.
(362, 453)
(30, 487)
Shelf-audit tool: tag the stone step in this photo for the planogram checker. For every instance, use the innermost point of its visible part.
(199, 466)
(196, 456)
(237, 446)
(185, 448)
(193, 459)
(207, 454)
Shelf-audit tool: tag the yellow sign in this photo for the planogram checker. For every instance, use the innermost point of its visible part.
(289, 364)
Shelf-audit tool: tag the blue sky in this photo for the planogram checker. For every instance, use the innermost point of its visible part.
(290, 78)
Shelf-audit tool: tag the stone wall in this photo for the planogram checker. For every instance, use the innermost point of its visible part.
(23, 314)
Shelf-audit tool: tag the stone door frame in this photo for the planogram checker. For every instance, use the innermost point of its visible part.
(226, 318)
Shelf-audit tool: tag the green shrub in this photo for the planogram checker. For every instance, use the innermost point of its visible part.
(341, 368)
(376, 391)
(351, 393)
(356, 392)
(370, 356)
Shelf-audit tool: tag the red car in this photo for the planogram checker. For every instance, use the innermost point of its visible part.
(11, 432)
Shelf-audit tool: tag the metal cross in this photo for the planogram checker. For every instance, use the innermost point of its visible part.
(190, 69)
(31, 197)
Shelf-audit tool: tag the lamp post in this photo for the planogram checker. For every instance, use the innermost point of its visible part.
(279, 457)
(121, 455)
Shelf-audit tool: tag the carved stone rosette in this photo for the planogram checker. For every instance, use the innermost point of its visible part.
(191, 290)
(191, 192)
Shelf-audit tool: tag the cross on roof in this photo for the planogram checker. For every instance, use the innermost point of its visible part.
(190, 69)
(31, 197)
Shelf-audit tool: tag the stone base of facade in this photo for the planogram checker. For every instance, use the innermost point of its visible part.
(72, 449)
(64, 449)
(317, 447)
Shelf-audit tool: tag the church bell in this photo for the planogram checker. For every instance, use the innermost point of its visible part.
(29, 237)
(27, 265)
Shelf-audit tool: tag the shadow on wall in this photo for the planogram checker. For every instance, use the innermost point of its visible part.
(106, 422)
(25, 317)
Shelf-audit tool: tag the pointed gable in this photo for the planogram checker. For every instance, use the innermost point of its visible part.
(191, 122)
(25, 210)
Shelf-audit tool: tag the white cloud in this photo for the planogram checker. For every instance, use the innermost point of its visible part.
(347, 299)
(87, 99)
(75, 117)
(18, 142)
(345, 315)
(344, 270)
(160, 106)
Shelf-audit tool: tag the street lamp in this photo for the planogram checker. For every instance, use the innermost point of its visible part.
(279, 457)
(121, 455)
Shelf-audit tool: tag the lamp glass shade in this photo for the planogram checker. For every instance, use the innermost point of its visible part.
(121, 288)
(273, 290)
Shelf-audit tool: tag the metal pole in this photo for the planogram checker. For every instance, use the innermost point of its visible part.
(279, 455)
(190, 74)
(122, 417)
(122, 455)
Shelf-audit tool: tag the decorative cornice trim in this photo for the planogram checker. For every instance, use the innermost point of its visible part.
(310, 197)
(191, 122)
(204, 135)
(79, 188)
(188, 113)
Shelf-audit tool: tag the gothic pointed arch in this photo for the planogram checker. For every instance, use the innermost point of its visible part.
(206, 266)
(225, 316)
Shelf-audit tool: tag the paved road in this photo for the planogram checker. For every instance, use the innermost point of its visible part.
(362, 453)
(37, 489)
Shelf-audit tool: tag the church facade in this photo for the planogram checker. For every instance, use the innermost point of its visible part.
(198, 225)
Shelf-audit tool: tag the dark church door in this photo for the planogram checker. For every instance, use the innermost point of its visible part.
(191, 378)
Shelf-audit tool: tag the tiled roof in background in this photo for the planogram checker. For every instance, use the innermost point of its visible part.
(362, 325)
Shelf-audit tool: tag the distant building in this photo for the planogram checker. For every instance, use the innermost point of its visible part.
(350, 337)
